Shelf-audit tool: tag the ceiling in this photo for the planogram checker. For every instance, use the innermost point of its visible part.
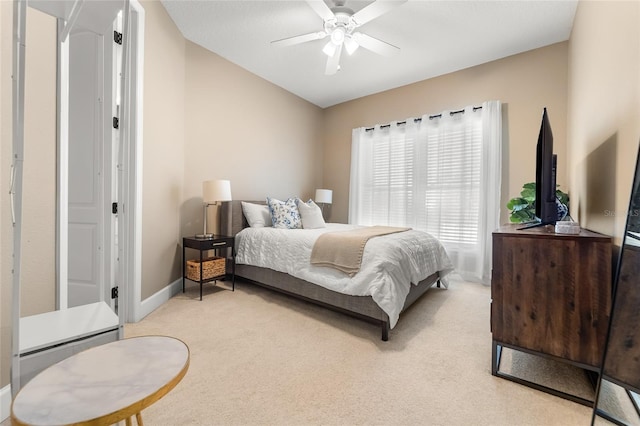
(436, 37)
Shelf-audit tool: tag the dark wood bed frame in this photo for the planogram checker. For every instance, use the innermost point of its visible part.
(364, 307)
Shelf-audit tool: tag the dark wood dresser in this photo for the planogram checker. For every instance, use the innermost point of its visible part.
(551, 295)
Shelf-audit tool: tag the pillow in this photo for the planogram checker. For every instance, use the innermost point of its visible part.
(284, 214)
(311, 215)
(257, 215)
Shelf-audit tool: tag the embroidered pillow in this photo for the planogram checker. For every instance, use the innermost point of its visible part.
(284, 214)
(311, 215)
(258, 215)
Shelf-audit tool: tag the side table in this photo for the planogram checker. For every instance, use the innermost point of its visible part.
(103, 385)
(216, 242)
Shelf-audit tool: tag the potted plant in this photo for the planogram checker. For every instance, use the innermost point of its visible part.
(523, 208)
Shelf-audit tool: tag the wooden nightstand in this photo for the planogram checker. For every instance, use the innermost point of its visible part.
(217, 243)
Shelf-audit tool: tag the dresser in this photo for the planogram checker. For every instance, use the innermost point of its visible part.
(551, 296)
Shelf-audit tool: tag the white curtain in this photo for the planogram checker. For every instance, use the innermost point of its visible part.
(440, 174)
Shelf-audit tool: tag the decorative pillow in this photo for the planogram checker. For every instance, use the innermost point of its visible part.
(257, 215)
(284, 214)
(311, 215)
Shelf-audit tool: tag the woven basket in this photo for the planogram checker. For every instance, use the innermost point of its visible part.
(211, 267)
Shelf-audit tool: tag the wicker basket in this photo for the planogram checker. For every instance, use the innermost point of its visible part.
(211, 267)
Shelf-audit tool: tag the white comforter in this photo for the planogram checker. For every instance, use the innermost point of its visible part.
(390, 263)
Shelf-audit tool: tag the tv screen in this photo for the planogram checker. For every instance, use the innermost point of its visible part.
(546, 209)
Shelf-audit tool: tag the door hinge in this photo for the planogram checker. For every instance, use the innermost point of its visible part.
(114, 292)
(117, 37)
(114, 208)
(116, 122)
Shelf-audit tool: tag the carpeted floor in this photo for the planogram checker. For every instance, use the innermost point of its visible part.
(261, 358)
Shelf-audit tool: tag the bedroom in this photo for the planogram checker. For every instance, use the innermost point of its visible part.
(593, 92)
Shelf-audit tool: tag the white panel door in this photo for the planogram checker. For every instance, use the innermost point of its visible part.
(86, 187)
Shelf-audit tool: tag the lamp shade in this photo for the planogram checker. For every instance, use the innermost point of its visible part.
(324, 196)
(216, 190)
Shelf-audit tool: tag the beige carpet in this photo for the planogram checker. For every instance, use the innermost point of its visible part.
(261, 358)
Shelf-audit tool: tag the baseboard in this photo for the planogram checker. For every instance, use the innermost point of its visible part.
(5, 402)
(153, 302)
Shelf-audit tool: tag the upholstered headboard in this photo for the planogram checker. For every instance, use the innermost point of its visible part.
(232, 219)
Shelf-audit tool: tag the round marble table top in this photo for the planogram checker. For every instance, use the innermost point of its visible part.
(104, 384)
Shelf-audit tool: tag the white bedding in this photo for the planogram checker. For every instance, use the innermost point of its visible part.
(389, 265)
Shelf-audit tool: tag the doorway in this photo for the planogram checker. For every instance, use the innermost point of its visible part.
(95, 236)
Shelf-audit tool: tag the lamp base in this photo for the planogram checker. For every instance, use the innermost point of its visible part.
(204, 236)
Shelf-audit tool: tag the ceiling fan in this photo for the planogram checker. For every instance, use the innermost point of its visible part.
(339, 24)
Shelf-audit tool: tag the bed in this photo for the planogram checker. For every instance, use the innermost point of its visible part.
(365, 307)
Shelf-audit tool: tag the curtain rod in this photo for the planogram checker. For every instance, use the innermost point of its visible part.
(417, 120)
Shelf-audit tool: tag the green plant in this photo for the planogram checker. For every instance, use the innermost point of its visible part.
(523, 208)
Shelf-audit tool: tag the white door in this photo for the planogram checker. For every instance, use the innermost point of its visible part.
(98, 250)
(87, 208)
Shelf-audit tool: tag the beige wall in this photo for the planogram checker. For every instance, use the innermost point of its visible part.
(38, 279)
(206, 118)
(245, 129)
(163, 146)
(524, 83)
(604, 111)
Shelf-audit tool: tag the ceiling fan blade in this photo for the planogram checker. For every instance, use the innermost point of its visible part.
(321, 9)
(290, 41)
(373, 44)
(375, 9)
(333, 63)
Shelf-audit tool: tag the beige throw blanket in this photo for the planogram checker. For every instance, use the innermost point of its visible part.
(343, 250)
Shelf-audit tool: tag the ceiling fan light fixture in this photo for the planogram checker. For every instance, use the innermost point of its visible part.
(329, 49)
(339, 25)
(350, 45)
(338, 36)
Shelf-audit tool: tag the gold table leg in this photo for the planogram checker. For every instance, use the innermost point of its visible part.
(138, 420)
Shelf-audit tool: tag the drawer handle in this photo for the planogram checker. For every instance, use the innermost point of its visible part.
(219, 244)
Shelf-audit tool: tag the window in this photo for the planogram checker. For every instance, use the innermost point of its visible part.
(439, 174)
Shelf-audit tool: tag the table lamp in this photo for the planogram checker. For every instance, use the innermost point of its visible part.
(213, 191)
(323, 196)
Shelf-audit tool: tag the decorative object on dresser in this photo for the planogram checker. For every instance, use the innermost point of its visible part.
(213, 191)
(522, 209)
(323, 197)
(397, 279)
(204, 270)
(619, 383)
(551, 295)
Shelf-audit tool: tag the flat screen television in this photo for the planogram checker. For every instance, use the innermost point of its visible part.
(546, 161)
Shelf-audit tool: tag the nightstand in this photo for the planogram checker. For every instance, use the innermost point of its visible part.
(217, 243)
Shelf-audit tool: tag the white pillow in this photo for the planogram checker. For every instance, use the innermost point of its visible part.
(284, 214)
(311, 215)
(257, 215)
